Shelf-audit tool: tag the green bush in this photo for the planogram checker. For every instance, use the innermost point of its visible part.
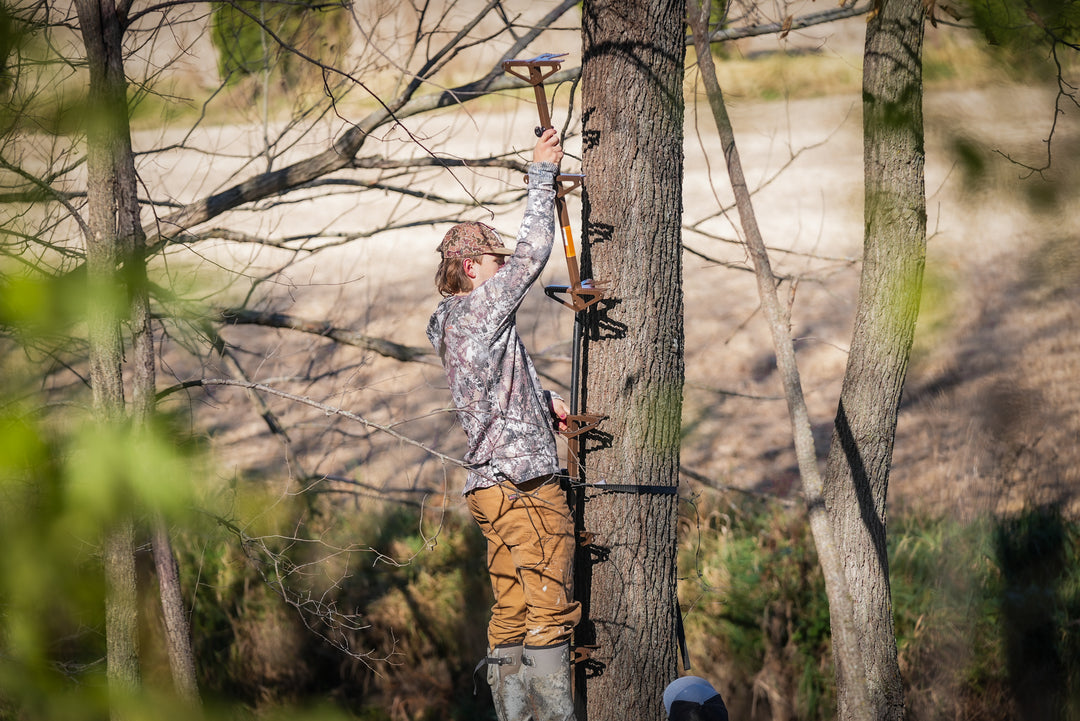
(417, 631)
(943, 576)
(988, 615)
(268, 37)
(757, 615)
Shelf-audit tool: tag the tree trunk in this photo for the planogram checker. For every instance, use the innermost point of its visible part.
(106, 249)
(632, 73)
(857, 471)
(121, 612)
(844, 635)
(177, 628)
(115, 242)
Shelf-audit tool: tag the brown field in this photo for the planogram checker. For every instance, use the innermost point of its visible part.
(989, 419)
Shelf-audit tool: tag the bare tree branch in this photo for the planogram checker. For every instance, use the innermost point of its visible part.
(390, 349)
(785, 25)
(320, 613)
(343, 151)
(1067, 93)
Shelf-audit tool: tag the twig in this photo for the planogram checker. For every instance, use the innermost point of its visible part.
(325, 408)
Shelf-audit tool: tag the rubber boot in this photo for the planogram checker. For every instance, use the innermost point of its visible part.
(507, 684)
(547, 681)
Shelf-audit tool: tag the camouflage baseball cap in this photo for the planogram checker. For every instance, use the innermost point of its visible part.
(472, 238)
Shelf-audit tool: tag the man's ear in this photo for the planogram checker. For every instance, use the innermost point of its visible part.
(468, 265)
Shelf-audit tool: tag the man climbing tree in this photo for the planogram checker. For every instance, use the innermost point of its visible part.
(513, 488)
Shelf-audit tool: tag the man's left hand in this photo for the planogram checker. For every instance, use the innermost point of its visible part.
(560, 410)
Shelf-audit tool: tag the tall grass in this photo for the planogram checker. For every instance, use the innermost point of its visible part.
(419, 610)
(756, 618)
(987, 616)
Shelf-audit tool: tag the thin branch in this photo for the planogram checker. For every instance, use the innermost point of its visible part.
(325, 408)
(493, 161)
(788, 24)
(724, 488)
(48, 190)
(275, 568)
(1065, 90)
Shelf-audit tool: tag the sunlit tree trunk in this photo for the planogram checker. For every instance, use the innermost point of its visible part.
(845, 638)
(116, 272)
(857, 472)
(632, 73)
(174, 614)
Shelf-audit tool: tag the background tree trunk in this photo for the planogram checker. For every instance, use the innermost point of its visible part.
(116, 242)
(632, 74)
(174, 614)
(857, 471)
(844, 635)
(106, 249)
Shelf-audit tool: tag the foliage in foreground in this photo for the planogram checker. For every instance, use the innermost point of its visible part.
(987, 614)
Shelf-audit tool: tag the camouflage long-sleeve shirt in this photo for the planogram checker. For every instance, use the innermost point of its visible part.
(500, 403)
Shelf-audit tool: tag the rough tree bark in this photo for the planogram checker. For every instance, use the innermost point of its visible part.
(845, 638)
(857, 471)
(632, 123)
(106, 248)
(116, 271)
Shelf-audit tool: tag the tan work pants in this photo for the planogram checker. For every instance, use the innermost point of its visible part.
(530, 537)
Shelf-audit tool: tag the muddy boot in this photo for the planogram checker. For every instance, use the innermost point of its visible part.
(547, 681)
(507, 685)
